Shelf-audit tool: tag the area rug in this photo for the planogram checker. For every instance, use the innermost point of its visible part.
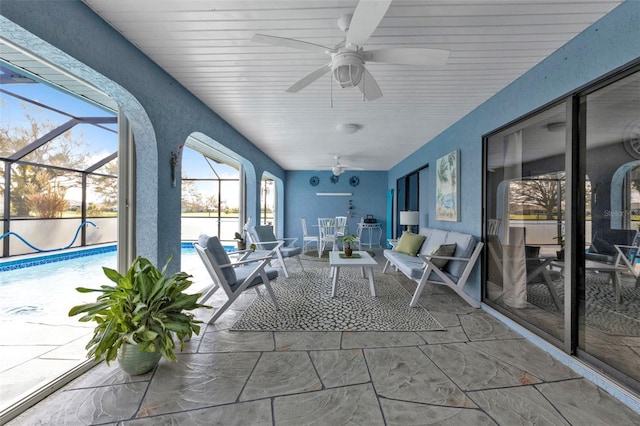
(313, 255)
(602, 312)
(306, 305)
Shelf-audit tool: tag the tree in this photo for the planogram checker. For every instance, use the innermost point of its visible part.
(212, 203)
(541, 191)
(45, 198)
(105, 187)
(66, 152)
(192, 201)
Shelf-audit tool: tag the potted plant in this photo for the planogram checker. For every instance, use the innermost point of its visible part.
(346, 241)
(241, 239)
(560, 253)
(139, 316)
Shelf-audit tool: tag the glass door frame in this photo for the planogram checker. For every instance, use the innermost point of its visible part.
(575, 223)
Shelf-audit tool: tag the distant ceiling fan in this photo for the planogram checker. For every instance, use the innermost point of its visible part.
(348, 58)
(338, 168)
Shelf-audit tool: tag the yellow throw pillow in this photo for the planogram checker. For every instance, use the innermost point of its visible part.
(410, 243)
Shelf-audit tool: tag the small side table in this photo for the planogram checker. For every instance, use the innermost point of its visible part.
(370, 227)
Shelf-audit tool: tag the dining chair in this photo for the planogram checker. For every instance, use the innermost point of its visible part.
(341, 226)
(327, 230)
(358, 239)
(306, 238)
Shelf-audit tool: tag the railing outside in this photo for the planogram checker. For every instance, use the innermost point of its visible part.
(52, 234)
(543, 232)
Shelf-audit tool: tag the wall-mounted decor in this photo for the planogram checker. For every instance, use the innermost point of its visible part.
(447, 193)
(314, 180)
(354, 181)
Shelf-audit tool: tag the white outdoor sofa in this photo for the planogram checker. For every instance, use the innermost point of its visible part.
(421, 268)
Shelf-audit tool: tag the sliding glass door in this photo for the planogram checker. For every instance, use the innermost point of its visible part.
(609, 300)
(562, 224)
(525, 185)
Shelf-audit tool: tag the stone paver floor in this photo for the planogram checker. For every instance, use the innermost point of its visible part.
(478, 372)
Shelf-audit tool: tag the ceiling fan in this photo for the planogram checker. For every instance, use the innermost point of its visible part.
(338, 168)
(348, 57)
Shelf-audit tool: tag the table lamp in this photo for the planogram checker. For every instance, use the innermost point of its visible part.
(409, 218)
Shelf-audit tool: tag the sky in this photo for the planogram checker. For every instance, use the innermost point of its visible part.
(99, 143)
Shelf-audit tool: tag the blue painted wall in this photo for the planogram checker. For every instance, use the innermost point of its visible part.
(607, 45)
(368, 198)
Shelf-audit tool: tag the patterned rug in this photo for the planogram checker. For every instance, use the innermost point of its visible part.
(306, 305)
(602, 312)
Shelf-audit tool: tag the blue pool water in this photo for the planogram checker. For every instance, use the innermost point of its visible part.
(43, 289)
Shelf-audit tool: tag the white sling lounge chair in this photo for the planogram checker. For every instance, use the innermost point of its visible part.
(233, 277)
(264, 239)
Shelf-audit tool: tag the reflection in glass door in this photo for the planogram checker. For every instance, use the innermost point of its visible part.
(525, 187)
(609, 300)
(587, 300)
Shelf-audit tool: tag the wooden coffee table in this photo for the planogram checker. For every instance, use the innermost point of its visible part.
(360, 259)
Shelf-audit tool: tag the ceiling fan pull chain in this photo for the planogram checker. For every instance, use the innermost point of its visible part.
(331, 91)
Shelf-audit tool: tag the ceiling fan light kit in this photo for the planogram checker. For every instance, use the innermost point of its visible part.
(347, 68)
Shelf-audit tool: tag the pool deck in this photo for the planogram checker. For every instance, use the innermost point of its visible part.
(33, 354)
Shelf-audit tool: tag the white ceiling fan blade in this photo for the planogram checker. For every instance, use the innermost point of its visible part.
(309, 78)
(369, 87)
(289, 42)
(366, 18)
(407, 56)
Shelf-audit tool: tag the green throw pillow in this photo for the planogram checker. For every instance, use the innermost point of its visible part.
(443, 250)
(410, 243)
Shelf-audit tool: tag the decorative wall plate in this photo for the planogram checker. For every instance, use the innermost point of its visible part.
(354, 181)
(314, 180)
(334, 178)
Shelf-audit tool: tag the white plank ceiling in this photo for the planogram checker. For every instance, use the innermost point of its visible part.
(206, 45)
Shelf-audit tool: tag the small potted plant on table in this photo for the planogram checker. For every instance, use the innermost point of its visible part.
(346, 241)
(139, 316)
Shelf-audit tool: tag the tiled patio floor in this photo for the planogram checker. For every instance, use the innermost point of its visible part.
(477, 372)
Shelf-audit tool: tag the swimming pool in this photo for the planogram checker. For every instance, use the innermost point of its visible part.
(42, 289)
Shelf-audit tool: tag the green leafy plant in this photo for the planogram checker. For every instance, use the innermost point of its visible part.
(560, 240)
(349, 237)
(146, 307)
